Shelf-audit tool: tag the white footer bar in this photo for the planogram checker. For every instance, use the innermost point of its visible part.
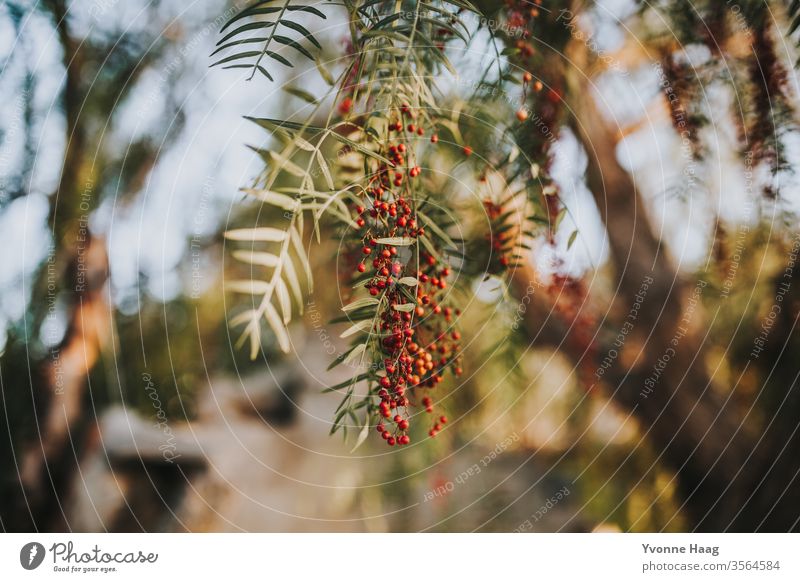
(356, 557)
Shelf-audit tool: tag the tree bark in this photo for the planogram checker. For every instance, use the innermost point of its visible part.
(694, 427)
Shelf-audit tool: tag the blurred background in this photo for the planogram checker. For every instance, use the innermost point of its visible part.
(127, 406)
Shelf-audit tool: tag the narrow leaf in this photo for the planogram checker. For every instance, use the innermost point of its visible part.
(356, 328)
(285, 40)
(362, 436)
(254, 258)
(274, 320)
(302, 30)
(273, 198)
(251, 11)
(249, 287)
(309, 9)
(572, 238)
(326, 171)
(284, 301)
(358, 304)
(264, 234)
(245, 28)
(294, 282)
(398, 241)
(297, 243)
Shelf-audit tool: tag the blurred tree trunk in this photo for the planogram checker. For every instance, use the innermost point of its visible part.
(730, 477)
(49, 461)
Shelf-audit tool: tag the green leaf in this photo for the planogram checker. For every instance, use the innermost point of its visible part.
(302, 30)
(287, 164)
(304, 95)
(341, 358)
(284, 301)
(326, 171)
(362, 436)
(572, 239)
(251, 11)
(275, 124)
(397, 241)
(437, 230)
(354, 353)
(263, 234)
(238, 42)
(384, 22)
(294, 282)
(357, 328)
(245, 28)
(273, 198)
(285, 40)
(253, 258)
(347, 383)
(309, 9)
(297, 244)
(274, 321)
(561, 214)
(279, 58)
(359, 303)
(236, 57)
(248, 287)
(324, 73)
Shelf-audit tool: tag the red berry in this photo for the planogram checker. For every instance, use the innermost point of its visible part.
(467, 151)
(405, 439)
(434, 138)
(390, 441)
(345, 106)
(443, 419)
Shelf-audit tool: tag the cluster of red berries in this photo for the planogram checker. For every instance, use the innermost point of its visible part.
(417, 344)
(415, 353)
